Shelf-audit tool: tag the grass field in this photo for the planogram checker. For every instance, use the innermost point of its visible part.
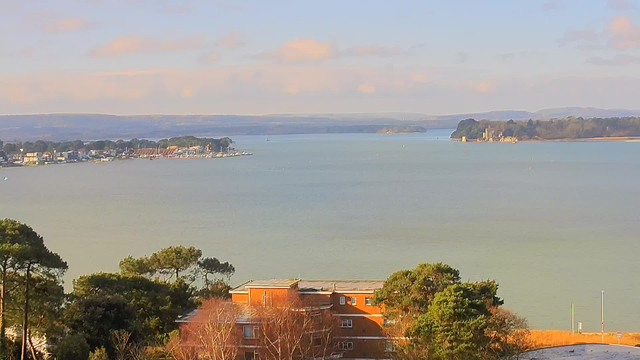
(544, 338)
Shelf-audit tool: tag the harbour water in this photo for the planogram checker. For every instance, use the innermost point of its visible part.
(553, 223)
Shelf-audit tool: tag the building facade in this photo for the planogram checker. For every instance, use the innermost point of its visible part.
(358, 322)
(33, 158)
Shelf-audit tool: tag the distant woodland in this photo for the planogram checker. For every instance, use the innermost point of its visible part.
(567, 128)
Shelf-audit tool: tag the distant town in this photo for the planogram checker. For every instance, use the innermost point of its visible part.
(46, 153)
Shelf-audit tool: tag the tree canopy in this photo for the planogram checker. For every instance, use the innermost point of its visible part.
(411, 291)
(120, 145)
(156, 304)
(567, 128)
(171, 261)
(436, 316)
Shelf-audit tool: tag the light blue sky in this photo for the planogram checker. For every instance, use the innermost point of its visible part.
(256, 57)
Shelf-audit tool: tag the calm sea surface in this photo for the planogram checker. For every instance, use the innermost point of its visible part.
(553, 223)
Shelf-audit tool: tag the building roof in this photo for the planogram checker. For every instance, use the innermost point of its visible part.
(245, 314)
(311, 286)
(154, 151)
(339, 285)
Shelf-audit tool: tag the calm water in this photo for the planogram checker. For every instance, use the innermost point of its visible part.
(554, 223)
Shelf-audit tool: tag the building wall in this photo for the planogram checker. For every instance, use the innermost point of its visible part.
(350, 308)
(366, 332)
(269, 296)
(240, 298)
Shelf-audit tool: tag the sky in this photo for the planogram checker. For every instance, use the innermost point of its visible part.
(312, 56)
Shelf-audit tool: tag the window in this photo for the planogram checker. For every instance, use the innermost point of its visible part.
(368, 301)
(316, 317)
(249, 355)
(388, 322)
(342, 300)
(346, 323)
(353, 300)
(345, 345)
(317, 341)
(250, 332)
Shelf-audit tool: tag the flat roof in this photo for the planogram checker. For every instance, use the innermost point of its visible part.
(339, 285)
(311, 286)
(270, 283)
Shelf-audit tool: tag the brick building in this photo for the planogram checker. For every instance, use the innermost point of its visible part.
(359, 323)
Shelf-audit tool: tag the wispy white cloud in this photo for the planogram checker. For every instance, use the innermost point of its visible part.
(307, 49)
(67, 24)
(618, 60)
(620, 5)
(301, 50)
(580, 38)
(486, 86)
(233, 39)
(134, 44)
(373, 50)
(624, 34)
(209, 58)
(550, 6)
(366, 88)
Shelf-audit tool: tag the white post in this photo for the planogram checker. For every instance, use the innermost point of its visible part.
(573, 320)
(602, 314)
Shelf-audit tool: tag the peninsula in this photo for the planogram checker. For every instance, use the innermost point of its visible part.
(48, 152)
(566, 129)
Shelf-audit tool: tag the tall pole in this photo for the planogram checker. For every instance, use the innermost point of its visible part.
(573, 320)
(602, 314)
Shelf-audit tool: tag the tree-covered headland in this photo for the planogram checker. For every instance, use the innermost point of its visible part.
(567, 128)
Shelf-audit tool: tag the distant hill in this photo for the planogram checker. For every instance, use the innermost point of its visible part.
(101, 126)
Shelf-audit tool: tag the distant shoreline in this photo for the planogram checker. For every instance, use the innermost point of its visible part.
(594, 139)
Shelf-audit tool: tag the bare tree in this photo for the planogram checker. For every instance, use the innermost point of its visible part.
(212, 334)
(295, 330)
(508, 334)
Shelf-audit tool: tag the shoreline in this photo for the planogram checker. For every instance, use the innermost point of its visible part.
(594, 139)
(113, 159)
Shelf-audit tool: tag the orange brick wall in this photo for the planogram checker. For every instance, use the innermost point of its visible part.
(366, 349)
(349, 308)
(239, 297)
(363, 325)
(273, 296)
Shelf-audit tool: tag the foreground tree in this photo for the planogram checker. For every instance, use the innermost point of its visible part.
(295, 330)
(155, 305)
(73, 347)
(45, 309)
(174, 260)
(213, 267)
(456, 323)
(409, 292)
(95, 318)
(13, 235)
(434, 316)
(212, 334)
(24, 255)
(177, 262)
(183, 265)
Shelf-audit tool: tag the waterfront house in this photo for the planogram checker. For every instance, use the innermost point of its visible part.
(33, 158)
(356, 323)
